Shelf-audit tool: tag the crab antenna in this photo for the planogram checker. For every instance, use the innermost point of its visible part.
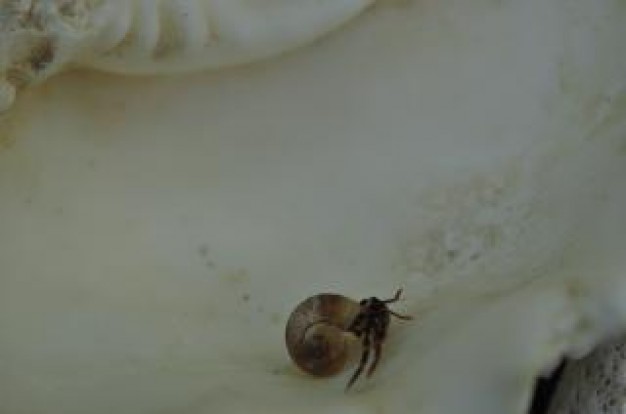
(395, 298)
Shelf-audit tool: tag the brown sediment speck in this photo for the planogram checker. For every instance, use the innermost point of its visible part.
(41, 55)
(203, 250)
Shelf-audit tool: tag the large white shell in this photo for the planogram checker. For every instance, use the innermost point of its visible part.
(156, 232)
(151, 36)
(41, 37)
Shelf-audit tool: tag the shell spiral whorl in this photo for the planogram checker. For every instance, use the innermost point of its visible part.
(39, 38)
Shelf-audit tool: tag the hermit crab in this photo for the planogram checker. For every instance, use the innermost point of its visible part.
(317, 330)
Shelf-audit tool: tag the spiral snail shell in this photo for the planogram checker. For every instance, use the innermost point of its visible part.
(317, 333)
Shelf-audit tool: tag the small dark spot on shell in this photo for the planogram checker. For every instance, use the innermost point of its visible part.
(203, 250)
(41, 56)
(68, 8)
(245, 297)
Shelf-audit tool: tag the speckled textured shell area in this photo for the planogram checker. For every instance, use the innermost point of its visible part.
(41, 37)
(594, 384)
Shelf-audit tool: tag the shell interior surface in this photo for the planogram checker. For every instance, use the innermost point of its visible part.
(155, 233)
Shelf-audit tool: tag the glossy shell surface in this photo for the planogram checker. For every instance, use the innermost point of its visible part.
(316, 336)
